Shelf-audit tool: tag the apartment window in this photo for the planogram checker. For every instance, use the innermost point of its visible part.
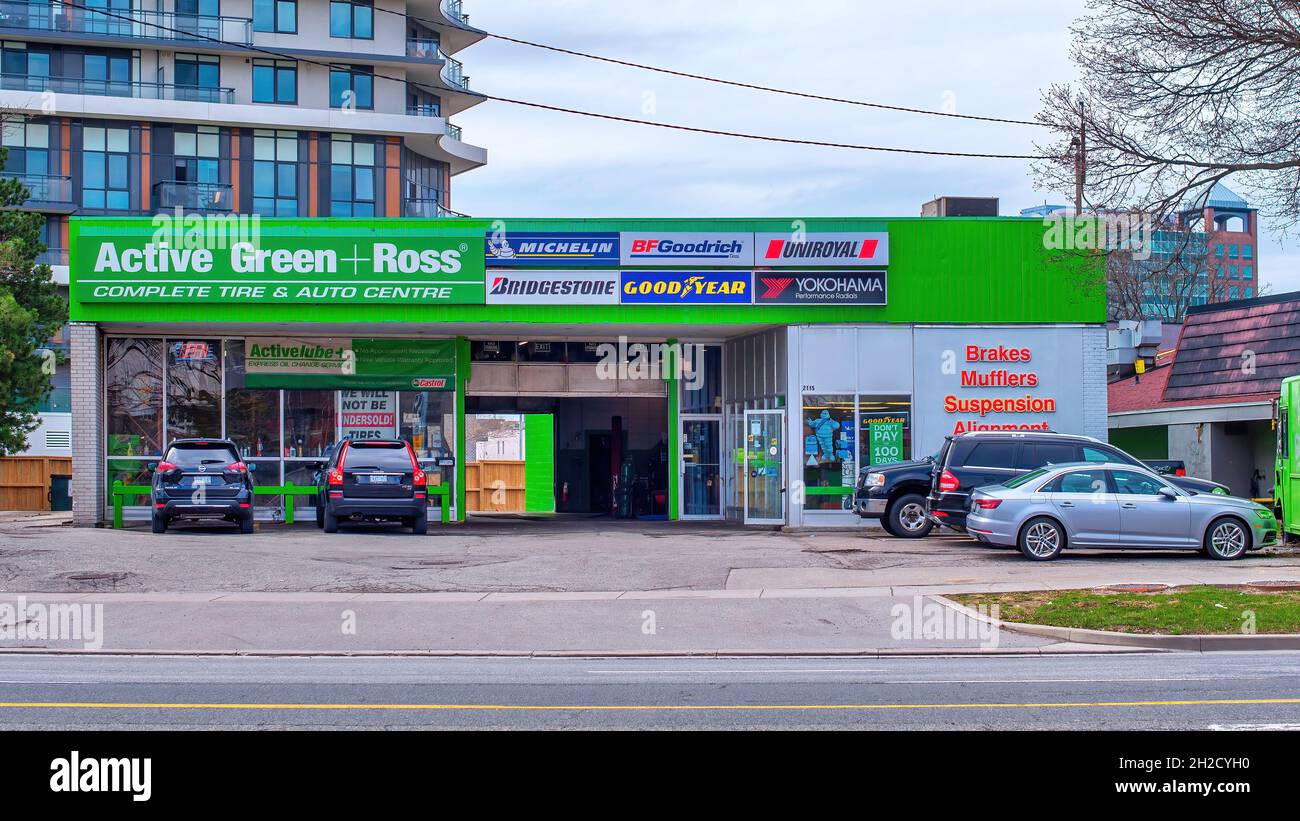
(29, 147)
(1218, 250)
(352, 177)
(105, 162)
(107, 74)
(275, 81)
(17, 60)
(352, 87)
(198, 8)
(198, 76)
(1247, 251)
(1232, 292)
(275, 173)
(352, 18)
(1232, 272)
(1232, 251)
(1248, 272)
(198, 152)
(280, 16)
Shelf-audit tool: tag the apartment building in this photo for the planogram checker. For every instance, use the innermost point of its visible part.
(289, 108)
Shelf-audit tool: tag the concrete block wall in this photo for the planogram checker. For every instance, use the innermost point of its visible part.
(87, 425)
(1095, 406)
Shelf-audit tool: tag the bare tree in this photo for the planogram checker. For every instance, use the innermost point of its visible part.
(1174, 96)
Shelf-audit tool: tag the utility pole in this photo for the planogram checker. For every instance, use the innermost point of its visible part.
(1080, 145)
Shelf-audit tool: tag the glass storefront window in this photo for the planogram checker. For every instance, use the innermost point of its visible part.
(701, 379)
(133, 394)
(128, 472)
(492, 351)
(828, 449)
(368, 414)
(884, 429)
(310, 422)
(428, 422)
(193, 388)
(252, 415)
(267, 472)
(541, 351)
(302, 474)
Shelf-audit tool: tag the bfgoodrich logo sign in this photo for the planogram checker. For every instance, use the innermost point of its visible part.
(829, 250)
(820, 288)
(687, 249)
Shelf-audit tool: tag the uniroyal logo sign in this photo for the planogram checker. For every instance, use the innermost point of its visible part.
(832, 249)
(820, 288)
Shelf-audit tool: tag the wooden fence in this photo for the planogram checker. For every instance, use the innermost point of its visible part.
(25, 480)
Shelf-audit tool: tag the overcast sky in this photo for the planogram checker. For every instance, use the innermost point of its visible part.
(989, 58)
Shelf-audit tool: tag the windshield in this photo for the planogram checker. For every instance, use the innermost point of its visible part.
(191, 456)
(1025, 478)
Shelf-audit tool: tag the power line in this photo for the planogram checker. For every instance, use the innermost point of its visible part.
(716, 132)
(722, 81)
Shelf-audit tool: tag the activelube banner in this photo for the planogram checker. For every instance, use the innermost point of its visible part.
(820, 288)
(552, 287)
(334, 363)
(247, 259)
(531, 249)
(843, 250)
(669, 249)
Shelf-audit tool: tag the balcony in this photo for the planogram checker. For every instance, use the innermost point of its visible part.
(427, 208)
(48, 192)
(454, 132)
(426, 48)
(192, 196)
(423, 110)
(146, 25)
(116, 88)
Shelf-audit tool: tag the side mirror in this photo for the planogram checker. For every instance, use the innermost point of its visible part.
(152, 466)
(252, 467)
(1168, 493)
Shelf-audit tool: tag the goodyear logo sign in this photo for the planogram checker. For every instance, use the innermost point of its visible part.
(685, 288)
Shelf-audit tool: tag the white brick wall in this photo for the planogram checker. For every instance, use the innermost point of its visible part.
(87, 425)
(1093, 366)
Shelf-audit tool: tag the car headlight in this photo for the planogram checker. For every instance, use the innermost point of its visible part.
(1220, 491)
(874, 480)
(1264, 513)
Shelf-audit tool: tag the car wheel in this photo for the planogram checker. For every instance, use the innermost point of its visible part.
(420, 525)
(246, 524)
(159, 524)
(330, 522)
(1041, 539)
(320, 515)
(906, 517)
(1226, 539)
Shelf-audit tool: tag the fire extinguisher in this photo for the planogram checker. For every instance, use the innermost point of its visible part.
(564, 493)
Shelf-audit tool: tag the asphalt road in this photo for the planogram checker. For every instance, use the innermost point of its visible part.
(1113, 691)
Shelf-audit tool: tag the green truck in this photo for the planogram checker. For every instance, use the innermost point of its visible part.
(1286, 480)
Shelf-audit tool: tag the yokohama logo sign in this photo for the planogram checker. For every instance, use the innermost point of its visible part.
(832, 249)
(820, 288)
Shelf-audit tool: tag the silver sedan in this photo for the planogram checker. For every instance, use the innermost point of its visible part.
(1112, 505)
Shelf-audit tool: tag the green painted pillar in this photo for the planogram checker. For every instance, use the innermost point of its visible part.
(462, 379)
(539, 463)
(674, 434)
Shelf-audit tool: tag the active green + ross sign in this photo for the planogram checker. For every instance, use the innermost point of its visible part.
(247, 259)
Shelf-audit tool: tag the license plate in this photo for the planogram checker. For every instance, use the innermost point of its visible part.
(200, 480)
(378, 479)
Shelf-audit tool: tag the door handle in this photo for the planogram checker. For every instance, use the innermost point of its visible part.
(1129, 506)
(1067, 504)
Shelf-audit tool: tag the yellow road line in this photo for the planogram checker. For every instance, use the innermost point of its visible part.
(124, 705)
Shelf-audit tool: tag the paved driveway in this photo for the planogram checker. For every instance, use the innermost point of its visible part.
(581, 555)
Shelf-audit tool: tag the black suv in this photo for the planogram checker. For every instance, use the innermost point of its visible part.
(372, 480)
(969, 460)
(895, 494)
(202, 479)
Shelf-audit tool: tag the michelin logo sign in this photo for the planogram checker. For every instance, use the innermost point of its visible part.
(537, 249)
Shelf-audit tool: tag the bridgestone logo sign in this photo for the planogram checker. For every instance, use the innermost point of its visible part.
(820, 287)
(552, 288)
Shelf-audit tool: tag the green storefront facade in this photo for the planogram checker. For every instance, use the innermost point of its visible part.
(654, 368)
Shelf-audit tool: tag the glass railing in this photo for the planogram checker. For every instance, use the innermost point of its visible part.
(134, 23)
(453, 10)
(116, 88)
(46, 188)
(454, 132)
(424, 208)
(454, 73)
(423, 110)
(54, 256)
(426, 48)
(193, 196)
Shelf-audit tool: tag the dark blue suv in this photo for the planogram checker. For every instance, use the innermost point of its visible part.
(372, 480)
(202, 480)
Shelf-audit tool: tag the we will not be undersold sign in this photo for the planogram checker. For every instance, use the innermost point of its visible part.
(358, 266)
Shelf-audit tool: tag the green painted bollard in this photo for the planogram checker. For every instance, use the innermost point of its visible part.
(288, 499)
(117, 504)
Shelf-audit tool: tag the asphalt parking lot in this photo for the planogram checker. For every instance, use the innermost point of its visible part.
(540, 556)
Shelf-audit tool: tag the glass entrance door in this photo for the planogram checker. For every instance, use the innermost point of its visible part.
(701, 467)
(764, 467)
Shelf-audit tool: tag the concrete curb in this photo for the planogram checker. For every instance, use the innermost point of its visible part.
(881, 652)
(1195, 643)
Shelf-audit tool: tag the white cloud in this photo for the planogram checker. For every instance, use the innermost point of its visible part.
(989, 58)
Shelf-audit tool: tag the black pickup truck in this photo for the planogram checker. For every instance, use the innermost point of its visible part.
(895, 494)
